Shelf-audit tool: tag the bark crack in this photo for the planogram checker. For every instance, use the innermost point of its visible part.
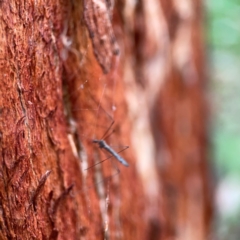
(24, 110)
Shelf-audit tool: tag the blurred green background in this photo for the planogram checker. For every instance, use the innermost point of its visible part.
(223, 39)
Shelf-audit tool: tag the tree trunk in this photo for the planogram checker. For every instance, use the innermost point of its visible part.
(74, 72)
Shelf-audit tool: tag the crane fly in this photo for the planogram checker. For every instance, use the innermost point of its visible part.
(104, 145)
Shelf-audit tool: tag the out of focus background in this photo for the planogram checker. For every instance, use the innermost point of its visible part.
(223, 34)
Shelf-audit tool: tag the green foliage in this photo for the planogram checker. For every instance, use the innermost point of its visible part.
(227, 152)
(223, 36)
(224, 25)
(224, 41)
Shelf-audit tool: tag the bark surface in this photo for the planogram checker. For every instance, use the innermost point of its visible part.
(69, 72)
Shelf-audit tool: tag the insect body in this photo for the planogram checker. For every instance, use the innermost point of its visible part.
(103, 144)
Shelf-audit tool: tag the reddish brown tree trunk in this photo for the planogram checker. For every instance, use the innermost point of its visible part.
(63, 83)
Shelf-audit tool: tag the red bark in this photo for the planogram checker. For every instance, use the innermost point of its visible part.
(55, 99)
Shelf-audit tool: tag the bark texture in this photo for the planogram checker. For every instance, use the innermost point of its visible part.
(69, 70)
